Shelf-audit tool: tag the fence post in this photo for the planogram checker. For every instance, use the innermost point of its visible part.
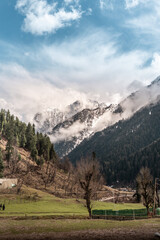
(133, 214)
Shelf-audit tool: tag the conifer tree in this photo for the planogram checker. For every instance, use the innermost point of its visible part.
(22, 135)
(10, 140)
(29, 137)
(1, 164)
(52, 152)
(2, 120)
(19, 134)
(9, 149)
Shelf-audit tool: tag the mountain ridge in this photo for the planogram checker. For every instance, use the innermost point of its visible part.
(68, 131)
(115, 145)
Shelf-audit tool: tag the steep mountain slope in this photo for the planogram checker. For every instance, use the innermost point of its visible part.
(45, 121)
(48, 119)
(30, 174)
(117, 144)
(64, 184)
(68, 128)
(73, 131)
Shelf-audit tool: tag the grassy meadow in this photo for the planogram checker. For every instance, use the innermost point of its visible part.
(49, 217)
(47, 204)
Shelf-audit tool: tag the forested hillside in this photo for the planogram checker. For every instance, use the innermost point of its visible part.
(29, 157)
(126, 146)
(18, 134)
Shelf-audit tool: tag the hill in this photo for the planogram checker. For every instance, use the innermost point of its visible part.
(28, 155)
(21, 153)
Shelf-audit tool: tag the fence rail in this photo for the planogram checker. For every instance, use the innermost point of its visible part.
(125, 213)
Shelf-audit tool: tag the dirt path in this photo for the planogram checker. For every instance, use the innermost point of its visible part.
(76, 229)
(116, 234)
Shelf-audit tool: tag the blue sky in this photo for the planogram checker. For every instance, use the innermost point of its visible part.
(53, 52)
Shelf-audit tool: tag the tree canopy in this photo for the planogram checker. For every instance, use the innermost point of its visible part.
(19, 134)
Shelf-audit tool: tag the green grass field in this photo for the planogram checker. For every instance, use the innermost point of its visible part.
(50, 205)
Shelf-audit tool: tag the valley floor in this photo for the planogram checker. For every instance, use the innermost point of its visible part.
(78, 229)
(49, 217)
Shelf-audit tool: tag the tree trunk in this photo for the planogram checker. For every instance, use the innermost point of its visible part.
(147, 211)
(88, 203)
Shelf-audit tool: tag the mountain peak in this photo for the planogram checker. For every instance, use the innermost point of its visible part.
(156, 81)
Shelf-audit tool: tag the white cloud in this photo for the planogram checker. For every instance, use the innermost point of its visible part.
(89, 66)
(68, 133)
(29, 94)
(106, 4)
(6, 105)
(71, 2)
(95, 66)
(129, 4)
(89, 11)
(132, 3)
(102, 4)
(156, 63)
(42, 17)
(135, 3)
(147, 22)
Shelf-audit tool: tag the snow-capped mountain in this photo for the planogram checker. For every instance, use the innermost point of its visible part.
(78, 121)
(131, 143)
(70, 127)
(48, 119)
(70, 133)
(45, 121)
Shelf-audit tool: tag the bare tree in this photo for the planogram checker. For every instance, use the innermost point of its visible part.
(48, 173)
(89, 178)
(145, 187)
(157, 197)
(69, 180)
(66, 165)
(23, 176)
(116, 196)
(13, 164)
(19, 185)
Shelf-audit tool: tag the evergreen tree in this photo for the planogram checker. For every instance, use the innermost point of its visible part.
(34, 153)
(9, 149)
(30, 140)
(2, 120)
(52, 152)
(1, 164)
(40, 161)
(22, 135)
(19, 134)
(8, 116)
(10, 140)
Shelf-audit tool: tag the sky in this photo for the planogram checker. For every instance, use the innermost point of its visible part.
(53, 52)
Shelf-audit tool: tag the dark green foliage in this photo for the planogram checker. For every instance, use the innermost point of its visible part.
(1, 164)
(19, 134)
(19, 157)
(30, 137)
(126, 146)
(34, 153)
(40, 161)
(9, 149)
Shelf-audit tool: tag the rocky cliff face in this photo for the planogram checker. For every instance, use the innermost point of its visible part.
(70, 127)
